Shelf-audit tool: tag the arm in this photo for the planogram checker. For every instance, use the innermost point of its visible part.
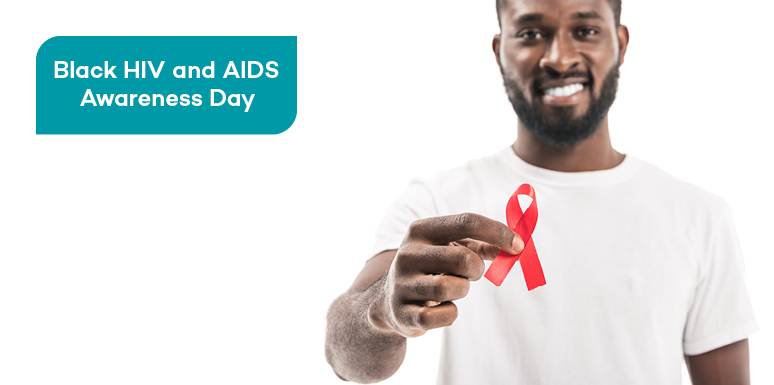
(406, 292)
(727, 365)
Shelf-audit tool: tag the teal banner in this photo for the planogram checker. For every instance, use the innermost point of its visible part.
(166, 85)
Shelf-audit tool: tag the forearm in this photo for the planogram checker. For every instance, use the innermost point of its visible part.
(356, 349)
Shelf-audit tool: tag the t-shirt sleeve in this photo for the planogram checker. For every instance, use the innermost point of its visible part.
(417, 202)
(721, 312)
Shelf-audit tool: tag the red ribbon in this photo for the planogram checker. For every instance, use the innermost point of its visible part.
(522, 224)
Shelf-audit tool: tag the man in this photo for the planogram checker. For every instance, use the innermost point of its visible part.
(643, 271)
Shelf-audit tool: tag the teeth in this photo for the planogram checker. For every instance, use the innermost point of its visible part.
(564, 91)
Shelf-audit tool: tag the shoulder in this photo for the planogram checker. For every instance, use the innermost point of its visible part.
(677, 195)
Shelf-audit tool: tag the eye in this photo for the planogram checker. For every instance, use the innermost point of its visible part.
(531, 35)
(587, 31)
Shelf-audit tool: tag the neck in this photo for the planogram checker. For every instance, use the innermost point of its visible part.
(592, 154)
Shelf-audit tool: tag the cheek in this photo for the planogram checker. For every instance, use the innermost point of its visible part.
(603, 63)
(519, 66)
(520, 60)
(526, 62)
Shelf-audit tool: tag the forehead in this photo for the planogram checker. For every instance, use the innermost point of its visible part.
(557, 10)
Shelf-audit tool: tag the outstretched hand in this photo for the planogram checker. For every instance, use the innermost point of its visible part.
(434, 266)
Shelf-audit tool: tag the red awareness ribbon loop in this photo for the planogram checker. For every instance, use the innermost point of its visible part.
(522, 224)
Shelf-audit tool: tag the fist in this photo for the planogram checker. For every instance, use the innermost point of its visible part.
(434, 266)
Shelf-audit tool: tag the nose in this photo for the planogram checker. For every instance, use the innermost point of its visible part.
(560, 56)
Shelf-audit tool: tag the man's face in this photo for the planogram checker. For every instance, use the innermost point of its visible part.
(559, 60)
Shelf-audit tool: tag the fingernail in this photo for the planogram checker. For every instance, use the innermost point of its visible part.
(518, 244)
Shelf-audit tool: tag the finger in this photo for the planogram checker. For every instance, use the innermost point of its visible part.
(418, 317)
(450, 260)
(484, 250)
(450, 228)
(434, 289)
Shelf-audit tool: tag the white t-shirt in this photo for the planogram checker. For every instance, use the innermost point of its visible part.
(641, 268)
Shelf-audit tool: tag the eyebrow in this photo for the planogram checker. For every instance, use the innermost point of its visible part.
(586, 15)
(530, 17)
(539, 16)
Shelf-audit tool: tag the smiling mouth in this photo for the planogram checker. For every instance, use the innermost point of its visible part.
(559, 92)
(565, 95)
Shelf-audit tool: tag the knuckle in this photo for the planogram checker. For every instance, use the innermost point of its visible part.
(425, 318)
(415, 227)
(405, 259)
(398, 264)
(448, 288)
(474, 264)
(441, 286)
(417, 288)
(400, 291)
(403, 317)
(451, 315)
(466, 221)
(477, 271)
(464, 289)
(410, 285)
(431, 253)
(461, 260)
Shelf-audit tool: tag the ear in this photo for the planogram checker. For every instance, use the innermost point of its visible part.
(623, 42)
(496, 49)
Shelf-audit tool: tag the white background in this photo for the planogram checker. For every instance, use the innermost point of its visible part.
(213, 259)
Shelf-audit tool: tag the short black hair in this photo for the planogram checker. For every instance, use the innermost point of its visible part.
(616, 4)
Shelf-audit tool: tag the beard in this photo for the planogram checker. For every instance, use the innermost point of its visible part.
(562, 128)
